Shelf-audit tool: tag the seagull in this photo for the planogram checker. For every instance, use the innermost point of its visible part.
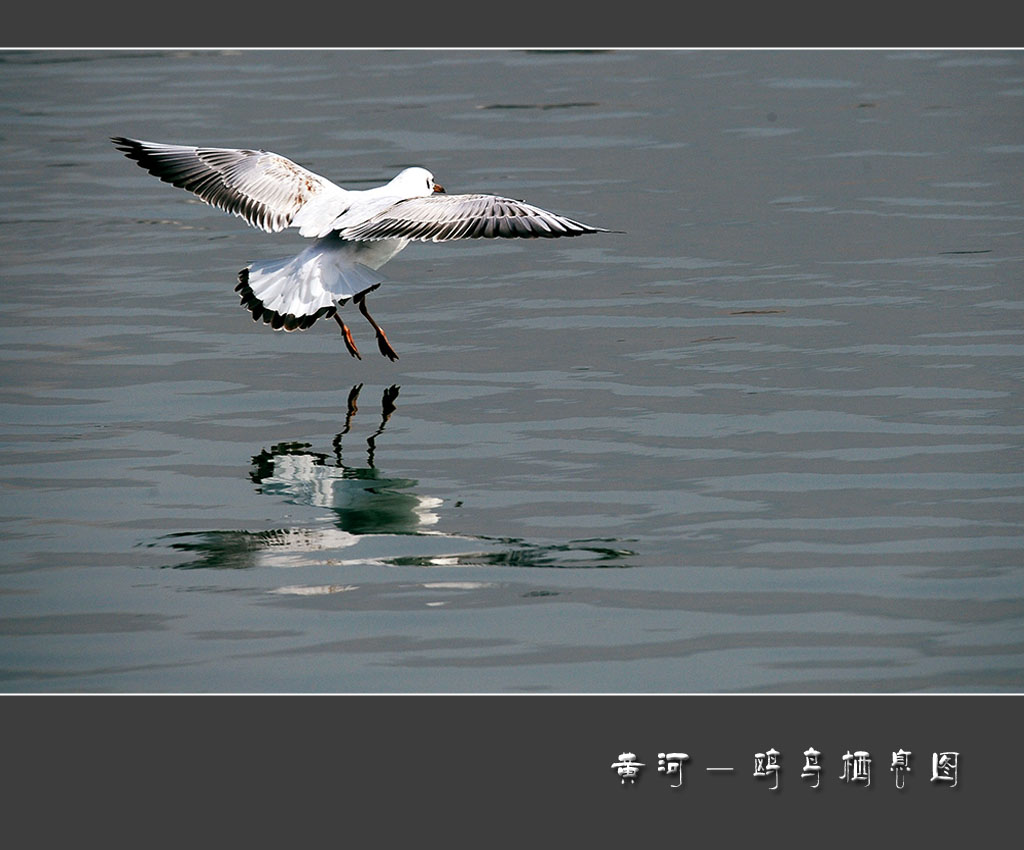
(355, 231)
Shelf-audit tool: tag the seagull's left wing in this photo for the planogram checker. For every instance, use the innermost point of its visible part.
(440, 218)
(266, 189)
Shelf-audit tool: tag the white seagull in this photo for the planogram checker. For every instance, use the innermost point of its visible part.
(356, 231)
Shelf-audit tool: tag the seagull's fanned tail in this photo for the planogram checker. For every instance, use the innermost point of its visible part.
(292, 293)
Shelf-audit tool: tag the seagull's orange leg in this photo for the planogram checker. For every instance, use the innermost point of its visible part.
(347, 334)
(382, 340)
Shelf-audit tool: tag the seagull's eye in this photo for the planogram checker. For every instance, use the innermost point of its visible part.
(429, 187)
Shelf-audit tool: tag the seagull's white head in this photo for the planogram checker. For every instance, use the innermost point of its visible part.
(416, 182)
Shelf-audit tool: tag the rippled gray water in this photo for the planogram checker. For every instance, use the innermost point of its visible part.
(766, 439)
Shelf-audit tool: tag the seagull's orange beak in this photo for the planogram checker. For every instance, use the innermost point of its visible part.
(439, 188)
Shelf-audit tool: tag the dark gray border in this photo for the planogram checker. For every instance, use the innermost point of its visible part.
(463, 771)
(458, 23)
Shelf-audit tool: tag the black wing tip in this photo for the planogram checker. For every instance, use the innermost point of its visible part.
(123, 143)
(578, 228)
(591, 228)
(134, 149)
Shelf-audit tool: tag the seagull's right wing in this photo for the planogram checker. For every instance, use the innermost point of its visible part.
(269, 191)
(440, 218)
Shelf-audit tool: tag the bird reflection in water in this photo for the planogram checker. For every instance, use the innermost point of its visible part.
(361, 498)
(376, 518)
(361, 501)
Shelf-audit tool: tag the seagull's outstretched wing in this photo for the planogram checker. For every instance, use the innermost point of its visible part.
(269, 191)
(440, 218)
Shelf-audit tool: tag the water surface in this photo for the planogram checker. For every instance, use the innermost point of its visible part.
(767, 438)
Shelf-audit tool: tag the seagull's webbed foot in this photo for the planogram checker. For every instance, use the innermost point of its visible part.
(385, 347)
(382, 340)
(347, 335)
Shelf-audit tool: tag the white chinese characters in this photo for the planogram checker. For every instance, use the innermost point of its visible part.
(901, 767)
(856, 768)
(628, 767)
(669, 763)
(767, 764)
(945, 768)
